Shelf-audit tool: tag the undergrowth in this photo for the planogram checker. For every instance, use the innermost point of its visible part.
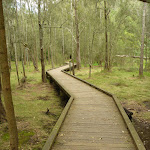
(31, 101)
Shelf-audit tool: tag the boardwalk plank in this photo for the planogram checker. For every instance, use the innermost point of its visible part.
(93, 121)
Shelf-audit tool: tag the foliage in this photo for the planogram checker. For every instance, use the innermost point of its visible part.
(124, 28)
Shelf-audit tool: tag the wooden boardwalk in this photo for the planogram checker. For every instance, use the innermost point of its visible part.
(93, 121)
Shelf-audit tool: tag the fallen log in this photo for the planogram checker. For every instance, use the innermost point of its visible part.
(122, 56)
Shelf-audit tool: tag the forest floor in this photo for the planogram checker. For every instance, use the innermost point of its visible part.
(132, 91)
(31, 101)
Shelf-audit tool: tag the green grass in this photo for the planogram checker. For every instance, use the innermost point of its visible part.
(31, 101)
(126, 85)
(23, 136)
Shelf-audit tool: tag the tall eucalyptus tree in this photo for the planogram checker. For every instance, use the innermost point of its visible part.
(78, 57)
(142, 41)
(2, 110)
(6, 85)
(41, 41)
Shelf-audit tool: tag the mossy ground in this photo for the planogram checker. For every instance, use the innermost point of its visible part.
(31, 101)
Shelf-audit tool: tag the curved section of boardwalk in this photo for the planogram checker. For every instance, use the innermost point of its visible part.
(93, 121)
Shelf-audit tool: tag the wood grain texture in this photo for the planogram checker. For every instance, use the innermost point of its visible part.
(93, 121)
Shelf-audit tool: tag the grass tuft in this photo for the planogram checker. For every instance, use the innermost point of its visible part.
(31, 101)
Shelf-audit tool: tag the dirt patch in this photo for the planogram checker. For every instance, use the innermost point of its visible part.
(147, 104)
(44, 98)
(33, 140)
(48, 126)
(142, 126)
(23, 125)
(135, 107)
(23, 86)
(143, 129)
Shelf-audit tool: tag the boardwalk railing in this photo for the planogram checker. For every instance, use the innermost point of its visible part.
(49, 143)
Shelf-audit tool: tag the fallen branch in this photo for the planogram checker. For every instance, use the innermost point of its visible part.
(122, 56)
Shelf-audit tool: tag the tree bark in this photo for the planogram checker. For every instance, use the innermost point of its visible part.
(34, 54)
(2, 110)
(90, 66)
(24, 50)
(41, 42)
(78, 58)
(55, 49)
(63, 41)
(91, 49)
(16, 61)
(106, 38)
(51, 51)
(27, 53)
(6, 85)
(9, 51)
(146, 52)
(19, 38)
(72, 43)
(142, 42)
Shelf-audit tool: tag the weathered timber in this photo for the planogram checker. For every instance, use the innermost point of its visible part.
(57, 127)
(94, 120)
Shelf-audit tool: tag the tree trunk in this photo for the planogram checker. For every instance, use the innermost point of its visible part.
(21, 52)
(110, 54)
(90, 66)
(63, 45)
(6, 85)
(45, 57)
(27, 53)
(41, 42)
(34, 51)
(142, 42)
(24, 50)
(51, 52)
(16, 61)
(24, 73)
(55, 50)
(77, 37)
(106, 38)
(146, 52)
(2, 110)
(49, 55)
(91, 49)
(19, 40)
(63, 41)
(72, 44)
(9, 51)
